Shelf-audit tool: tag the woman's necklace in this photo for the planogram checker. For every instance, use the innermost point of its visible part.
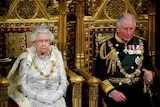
(44, 57)
(41, 73)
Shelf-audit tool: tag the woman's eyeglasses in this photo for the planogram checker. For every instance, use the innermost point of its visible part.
(43, 41)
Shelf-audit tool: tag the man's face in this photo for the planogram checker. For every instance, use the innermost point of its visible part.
(126, 30)
(42, 43)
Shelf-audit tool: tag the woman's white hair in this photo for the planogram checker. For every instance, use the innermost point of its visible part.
(42, 28)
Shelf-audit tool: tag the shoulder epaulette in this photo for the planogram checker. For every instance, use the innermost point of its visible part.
(140, 37)
(105, 39)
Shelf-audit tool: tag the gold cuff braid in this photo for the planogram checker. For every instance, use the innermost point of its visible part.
(106, 86)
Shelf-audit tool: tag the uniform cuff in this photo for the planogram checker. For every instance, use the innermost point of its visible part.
(107, 86)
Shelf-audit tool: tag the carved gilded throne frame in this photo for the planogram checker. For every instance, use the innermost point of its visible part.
(100, 24)
(17, 23)
(103, 21)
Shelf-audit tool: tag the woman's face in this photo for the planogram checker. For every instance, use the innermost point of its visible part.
(42, 43)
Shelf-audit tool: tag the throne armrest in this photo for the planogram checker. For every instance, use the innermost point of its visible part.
(76, 82)
(3, 91)
(93, 84)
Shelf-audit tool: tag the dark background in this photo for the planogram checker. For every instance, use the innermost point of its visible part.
(157, 35)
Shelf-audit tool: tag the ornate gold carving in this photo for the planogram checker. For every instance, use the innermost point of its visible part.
(80, 8)
(4, 7)
(3, 92)
(93, 88)
(26, 9)
(77, 90)
(3, 12)
(114, 8)
(39, 15)
(51, 6)
(71, 7)
(102, 16)
(13, 15)
(92, 6)
(143, 7)
(93, 84)
(15, 44)
(77, 82)
(62, 6)
(70, 44)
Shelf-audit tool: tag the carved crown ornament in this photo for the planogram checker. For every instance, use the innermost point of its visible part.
(50, 9)
(111, 9)
(28, 13)
(100, 22)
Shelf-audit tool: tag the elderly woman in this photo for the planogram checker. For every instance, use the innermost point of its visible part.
(38, 77)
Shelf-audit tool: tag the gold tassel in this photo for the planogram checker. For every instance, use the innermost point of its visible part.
(145, 87)
(113, 68)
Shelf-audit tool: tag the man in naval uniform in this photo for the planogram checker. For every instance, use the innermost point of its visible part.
(124, 67)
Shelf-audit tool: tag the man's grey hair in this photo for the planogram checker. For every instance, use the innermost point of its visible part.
(42, 28)
(125, 16)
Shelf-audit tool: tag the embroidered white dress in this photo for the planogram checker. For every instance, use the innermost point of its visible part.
(29, 79)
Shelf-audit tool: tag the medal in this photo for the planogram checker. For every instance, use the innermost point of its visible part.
(125, 48)
(137, 60)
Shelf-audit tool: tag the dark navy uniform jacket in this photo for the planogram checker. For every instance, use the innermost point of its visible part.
(129, 62)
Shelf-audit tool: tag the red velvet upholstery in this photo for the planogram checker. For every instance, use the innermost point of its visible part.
(11, 103)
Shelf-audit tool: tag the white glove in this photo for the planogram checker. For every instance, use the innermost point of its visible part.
(40, 97)
(31, 94)
(54, 96)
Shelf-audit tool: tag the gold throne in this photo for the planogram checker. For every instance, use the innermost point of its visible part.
(95, 20)
(100, 25)
(15, 28)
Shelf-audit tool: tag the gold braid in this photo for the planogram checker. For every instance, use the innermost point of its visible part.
(110, 56)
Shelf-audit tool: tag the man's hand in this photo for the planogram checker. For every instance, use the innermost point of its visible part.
(148, 76)
(117, 96)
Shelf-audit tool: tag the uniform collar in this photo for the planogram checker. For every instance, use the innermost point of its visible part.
(119, 39)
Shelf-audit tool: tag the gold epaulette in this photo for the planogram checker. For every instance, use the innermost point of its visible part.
(140, 37)
(105, 39)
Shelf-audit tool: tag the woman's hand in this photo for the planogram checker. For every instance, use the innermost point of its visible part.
(42, 98)
(54, 96)
(39, 97)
